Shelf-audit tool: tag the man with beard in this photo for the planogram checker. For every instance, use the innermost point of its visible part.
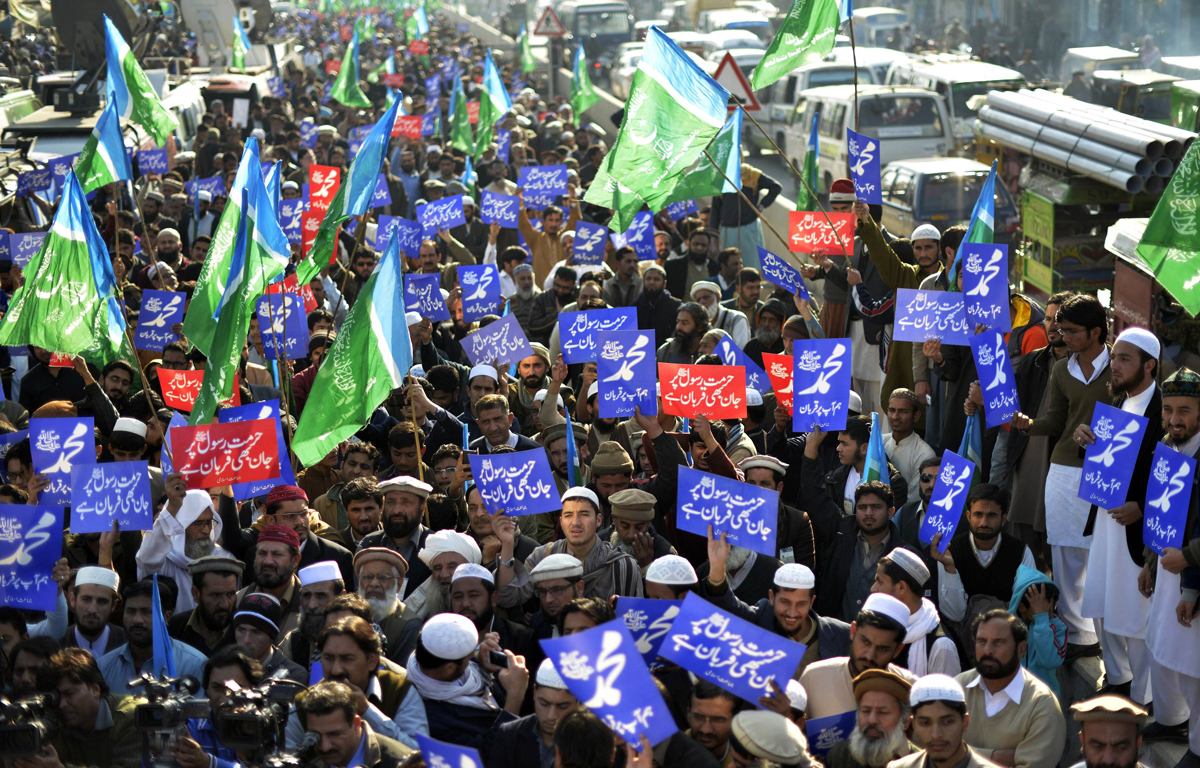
(380, 573)
(256, 624)
(189, 530)
(745, 299)
(557, 580)
(167, 247)
(319, 584)
(403, 509)
(927, 648)
(543, 317)
(473, 594)
(555, 440)
(93, 599)
(1108, 731)
(358, 460)
(1115, 557)
(710, 719)
(708, 295)
(115, 380)
(768, 331)
(532, 377)
(546, 246)
(129, 661)
(493, 417)
(363, 503)
(939, 720)
(525, 294)
(1015, 718)
(207, 627)
(409, 179)
(128, 443)
(880, 724)
(984, 563)
(276, 558)
(685, 271)
(288, 505)
(632, 530)
(656, 307)
(691, 323)
(528, 742)
(443, 552)
(623, 288)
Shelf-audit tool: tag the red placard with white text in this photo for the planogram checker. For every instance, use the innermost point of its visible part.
(394, 79)
(473, 112)
(60, 361)
(323, 183)
(289, 285)
(310, 223)
(180, 388)
(210, 455)
(408, 126)
(333, 66)
(715, 391)
(418, 48)
(809, 232)
(779, 371)
(345, 31)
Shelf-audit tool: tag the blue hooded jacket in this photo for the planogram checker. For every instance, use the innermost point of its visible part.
(1047, 633)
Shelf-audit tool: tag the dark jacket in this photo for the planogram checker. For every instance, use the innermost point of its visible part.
(1032, 375)
(514, 743)
(179, 628)
(543, 318)
(835, 274)
(794, 532)
(460, 724)
(677, 271)
(658, 315)
(833, 636)
(683, 750)
(481, 444)
(757, 583)
(116, 638)
(518, 639)
(731, 210)
(39, 386)
(241, 541)
(95, 403)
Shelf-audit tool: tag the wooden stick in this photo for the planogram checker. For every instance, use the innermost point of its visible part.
(854, 60)
(359, 237)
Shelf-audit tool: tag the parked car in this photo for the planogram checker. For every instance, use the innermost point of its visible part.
(941, 191)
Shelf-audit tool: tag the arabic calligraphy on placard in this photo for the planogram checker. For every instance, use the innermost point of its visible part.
(218, 454)
(746, 513)
(718, 392)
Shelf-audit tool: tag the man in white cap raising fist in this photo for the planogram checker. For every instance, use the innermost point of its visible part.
(523, 742)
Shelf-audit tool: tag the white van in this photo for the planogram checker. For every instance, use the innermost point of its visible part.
(957, 80)
(873, 26)
(878, 60)
(779, 99)
(908, 122)
(736, 18)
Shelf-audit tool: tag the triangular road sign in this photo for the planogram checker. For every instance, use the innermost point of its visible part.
(730, 76)
(549, 25)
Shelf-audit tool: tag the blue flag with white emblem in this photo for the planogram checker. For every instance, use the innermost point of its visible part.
(103, 494)
(57, 446)
(480, 285)
(590, 242)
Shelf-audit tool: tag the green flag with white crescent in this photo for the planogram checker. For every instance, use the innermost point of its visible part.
(103, 160)
(804, 200)
(346, 90)
(527, 62)
(241, 44)
(461, 137)
(1171, 243)
(131, 89)
(583, 95)
(706, 179)
(494, 104)
(807, 34)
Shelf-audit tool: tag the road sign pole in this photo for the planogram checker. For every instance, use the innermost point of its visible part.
(552, 55)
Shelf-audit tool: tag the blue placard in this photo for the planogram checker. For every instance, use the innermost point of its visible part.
(577, 330)
(640, 236)
(383, 195)
(542, 184)
(429, 124)
(214, 185)
(820, 384)
(23, 246)
(439, 754)
(590, 243)
(160, 311)
(777, 271)
(499, 209)
(6, 255)
(746, 513)
(289, 218)
(152, 161)
(267, 409)
(275, 83)
(949, 496)
(503, 144)
(864, 167)
(985, 285)
(518, 483)
(423, 293)
(463, 29)
(626, 372)
(824, 733)
(1167, 499)
(647, 621)
(282, 319)
(60, 167)
(409, 231)
(355, 146)
(995, 372)
(441, 214)
(308, 135)
(728, 651)
(924, 315)
(8, 441)
(500, 342)
(104, 493)
(34, 181)
(58, 445)
(433, 88)
(30, 544)
(1109, 461)
(682, 209)
(603, 668)
(732, 354)
(480, 285)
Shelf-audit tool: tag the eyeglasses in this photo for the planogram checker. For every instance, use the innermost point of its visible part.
(444, 471)
(927, 478)
(378, 578)
(1070, 331)
(201, 524)
(544, 592)
(291, 517)
(700, 719)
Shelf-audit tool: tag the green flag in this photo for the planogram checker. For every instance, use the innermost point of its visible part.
(131, 89)
(241, 44)
(706, 179)
(494, 104)
(461, 137)
(804, 200)
(103, 160)
(382, 69)
(1171, 243)
(583, 95)
(527, 62)
(807, 33)
(346, 90)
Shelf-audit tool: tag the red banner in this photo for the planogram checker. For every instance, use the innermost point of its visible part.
(408, 126)
(473, 112)
(309, 224)
(323, 183)
(394, 79)
(333, 66)
(779, 371)
(60, 361)
(346, 31)
(303, 291)
(418, 48)
(180, 388)
(715, 391)
(211, 455)
(809, 232)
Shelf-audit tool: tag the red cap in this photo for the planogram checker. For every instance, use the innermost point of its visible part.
(842, 191)
(286, 493)
(281, 534)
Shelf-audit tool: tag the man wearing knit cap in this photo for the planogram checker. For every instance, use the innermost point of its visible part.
(927, 649)
(189, 530)
(708, 295)
(1108, 732)
(320, 583)
(632, 531)
(94, 598)
(444, 551)
(939, 720)
(670, 577)
(403, 510)
(214, 585)
(276, 560)
(879, 728)
(528, 741)
(557, 580)
(288, 505)
(1115, 557)
(256, 623)
(761, 738)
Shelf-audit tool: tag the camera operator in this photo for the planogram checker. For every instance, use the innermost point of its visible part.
(329, 710)
(232, 663)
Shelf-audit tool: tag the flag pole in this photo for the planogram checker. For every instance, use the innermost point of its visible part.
(412, 410)
(359, 237)
(854, 60)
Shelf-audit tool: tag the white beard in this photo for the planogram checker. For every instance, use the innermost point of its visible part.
(713, 310)
(737, 558)
(381, 609)
(873, 752)
(195, 548)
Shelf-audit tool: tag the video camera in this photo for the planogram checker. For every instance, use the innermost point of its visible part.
(170, 703)
(253, 720)
(27, 725)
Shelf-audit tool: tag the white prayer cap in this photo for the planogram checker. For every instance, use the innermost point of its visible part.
(911, 563)
(441, 542)
(559, 566)
(671, 570)
(593, 390)
(405, 483)
(763, 461)
(541, 395)
(290, 185)
(797, 695)
(259, 134)
(132, 426)
(445, 294)
(579, 492)
(1142, 339)
(204, 196)
(472, 571)
(925, 232)
(450, 636)
(484, 370)
(855, 404)
(770, 736)
(326, 570)
(753, 397)
(795, 576)
(877, 602)
(412, 318)
(548, 677)
(93, 574)
(705, 285)
(936, 688)
(169, 232)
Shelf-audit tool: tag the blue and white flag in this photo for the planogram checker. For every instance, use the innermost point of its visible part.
(23, 246)
(749, 515)
(864, 167)
(924, 315)
(982, 226)
(30, 544)
(480, 285)
(604, 669)
(267, 409)
(985, 286)
(163, 653)
(590, 243)
(423, 293)
(152, 161)
(446, 213)
(648, 621)
(518, 483)
(102, 494)
(732, 354)
(728, 651)
(429, 124)
(820, 384)
(1167, 499)
(408, 232)
(57, 446)
(499, 343)
(875, 466)
(639, 236)
(542, 184)
(383, 195)
(949, 496)
(1109, 461)
(625, 373)
(778, 272)
(577, 330)
(160, 311)
(995, 373)
(358, 188)
(497, 208)
(440, 754)
(282, 322)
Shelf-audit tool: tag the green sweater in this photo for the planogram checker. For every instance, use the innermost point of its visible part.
(1071, 404)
